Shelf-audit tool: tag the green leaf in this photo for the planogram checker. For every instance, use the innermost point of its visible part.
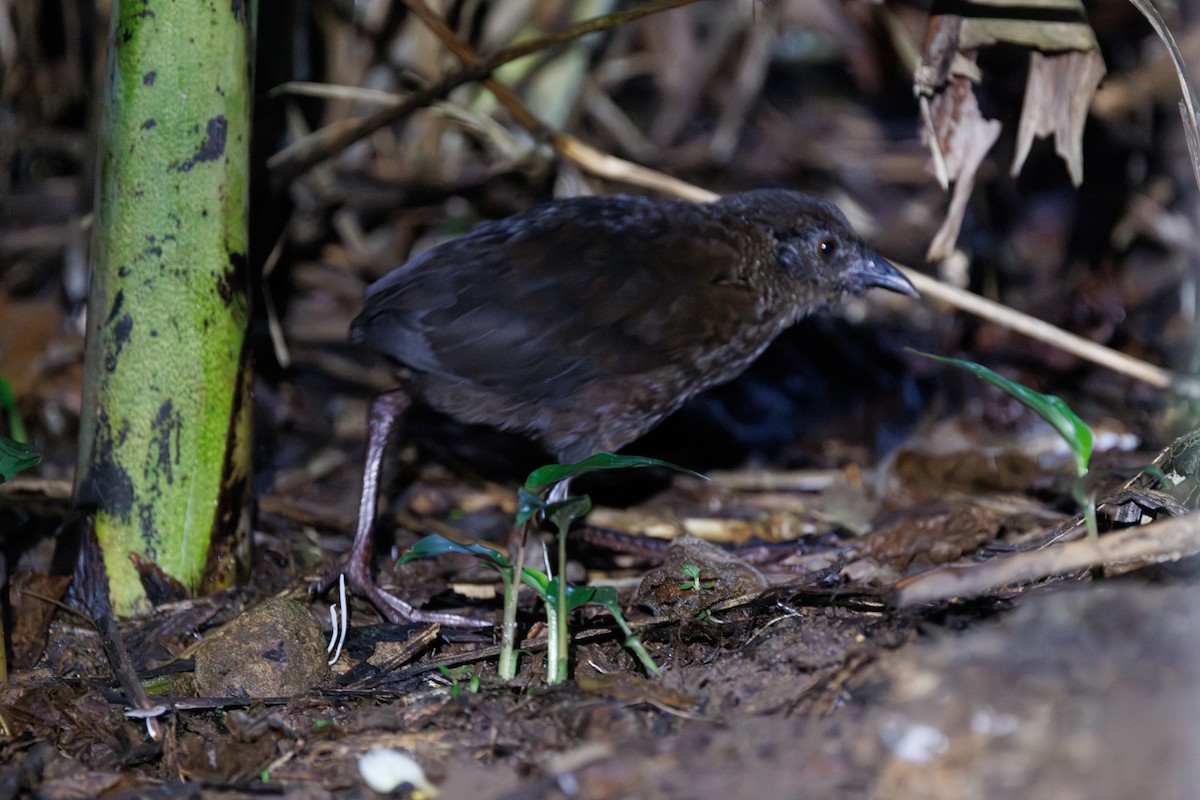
(435, 545)
(528, 505)
(14, 457)
(547, 476)
(561, 514)
(566, 511)
(577, 596)
(547, 589)
(538, 581)
(1074, 431)
(605, 596)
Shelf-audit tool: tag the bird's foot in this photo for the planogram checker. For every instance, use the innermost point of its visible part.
(397, 611)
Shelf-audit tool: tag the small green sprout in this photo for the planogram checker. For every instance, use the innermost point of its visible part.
(455, 676)
(436, 545)
(561, 514)
(544, 586)
(692, 573)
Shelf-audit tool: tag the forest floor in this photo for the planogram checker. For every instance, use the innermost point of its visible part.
(884, 589)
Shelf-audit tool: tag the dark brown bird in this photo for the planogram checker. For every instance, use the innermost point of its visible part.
(586, 321)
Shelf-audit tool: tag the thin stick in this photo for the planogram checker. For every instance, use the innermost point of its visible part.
(1042, 331)
(299, 157)
(1166, 540)
(1187, 106)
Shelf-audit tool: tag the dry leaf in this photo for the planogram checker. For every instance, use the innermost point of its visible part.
(960, 141)
(1065, 70)
(1057, 95)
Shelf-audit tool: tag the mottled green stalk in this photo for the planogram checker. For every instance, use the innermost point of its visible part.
(163, 453)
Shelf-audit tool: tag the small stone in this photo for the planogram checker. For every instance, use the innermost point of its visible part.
(669, 591)
(276, 649)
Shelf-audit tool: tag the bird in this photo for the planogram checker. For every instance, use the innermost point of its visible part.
(585, 321)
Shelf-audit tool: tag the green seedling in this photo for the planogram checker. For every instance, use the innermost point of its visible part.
(542, 585)
(607, 596)
(577, 597)
(455, 676)
(692, 573)
(559, 597)
(1074, 431)
(435, 545)
(561, 514)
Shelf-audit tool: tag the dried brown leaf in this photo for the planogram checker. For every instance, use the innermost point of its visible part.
(1058, 94)
(960, 141)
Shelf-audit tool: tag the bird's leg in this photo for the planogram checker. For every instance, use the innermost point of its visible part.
(386, 410)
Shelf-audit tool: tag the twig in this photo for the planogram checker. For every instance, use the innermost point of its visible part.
(1045, 332)
(301, 156)
(606, 165)
(91, 587)
(1169, 540)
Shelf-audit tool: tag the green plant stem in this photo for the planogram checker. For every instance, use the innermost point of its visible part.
(164, 433)
(1089, 518)
(634, 642)
(16, 426)
(552, 645)
(507, 667)
(559, 632)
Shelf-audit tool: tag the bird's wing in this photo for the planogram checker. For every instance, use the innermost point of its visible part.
(582, 289)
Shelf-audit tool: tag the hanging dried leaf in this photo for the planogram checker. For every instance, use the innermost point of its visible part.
(959, 138)
(1065, 70)
(1057, 95)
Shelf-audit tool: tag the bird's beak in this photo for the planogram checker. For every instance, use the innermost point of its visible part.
(877, 272)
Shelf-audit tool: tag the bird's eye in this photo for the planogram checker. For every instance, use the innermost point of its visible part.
(827, 247)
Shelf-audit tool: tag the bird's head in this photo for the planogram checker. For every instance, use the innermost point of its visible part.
(816, 247)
